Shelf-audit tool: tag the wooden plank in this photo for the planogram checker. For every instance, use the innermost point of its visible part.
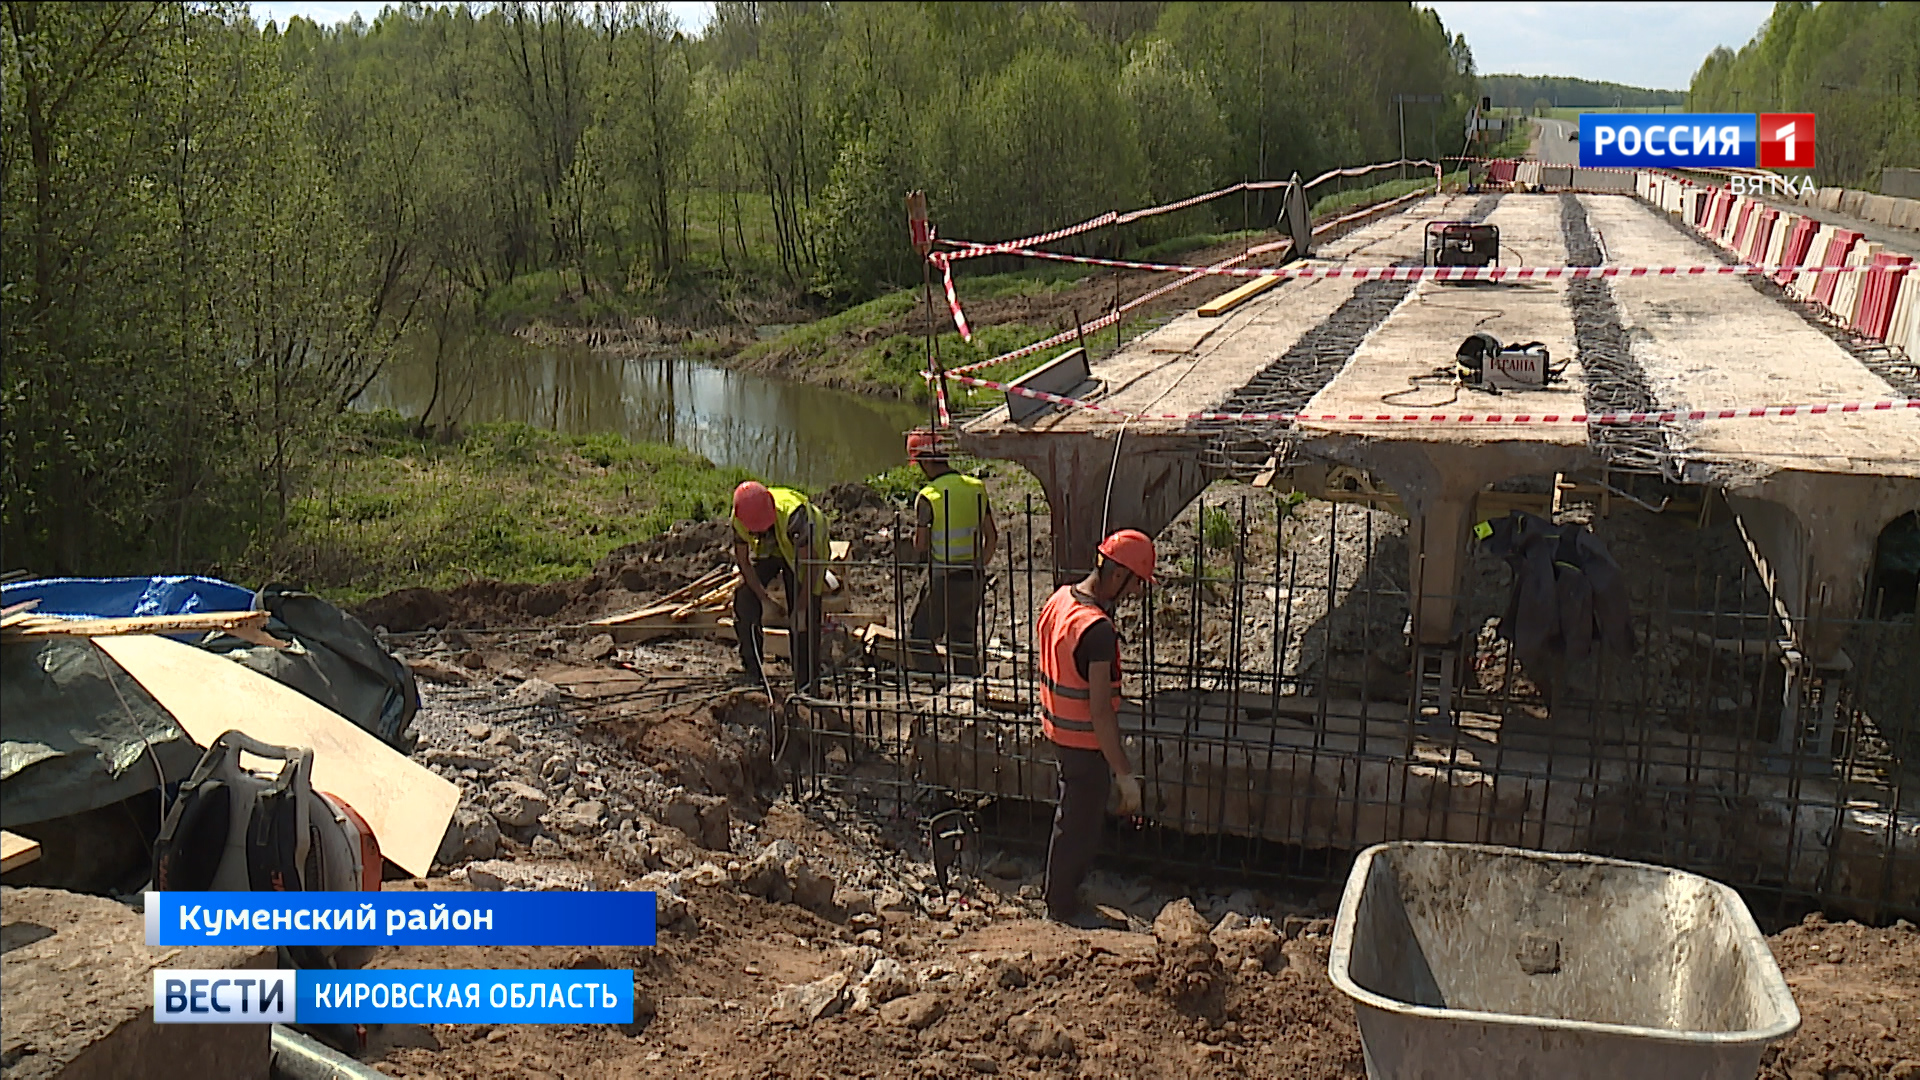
(242, 624)
(662, 624)
(406, 805)
(1226, 302)
(670, 601)
(16, 851)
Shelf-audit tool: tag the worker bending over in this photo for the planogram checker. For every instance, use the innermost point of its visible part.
(778, 533)
(1079, 657)
(954, 533)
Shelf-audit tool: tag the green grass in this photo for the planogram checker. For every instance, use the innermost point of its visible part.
(554, 296)
(708, 211)
(1391, 189)
(1181, 245)
(820, 338)
(504, 501)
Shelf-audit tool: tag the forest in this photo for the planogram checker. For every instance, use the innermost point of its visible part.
(218, 230)
(1565, 92)
(1854, 66)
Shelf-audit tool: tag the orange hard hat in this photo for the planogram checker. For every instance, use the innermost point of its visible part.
(753, 506)
(1132, 549)
(923, 443)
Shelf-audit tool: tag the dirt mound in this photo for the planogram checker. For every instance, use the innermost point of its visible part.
(1858, 989)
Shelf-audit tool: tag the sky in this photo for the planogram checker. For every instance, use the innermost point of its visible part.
(1657, 45)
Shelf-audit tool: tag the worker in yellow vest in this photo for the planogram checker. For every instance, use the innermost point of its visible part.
(778, 533)
(1078, 649)
(954, 534)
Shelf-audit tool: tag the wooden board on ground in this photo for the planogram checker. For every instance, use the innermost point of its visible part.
(406, 805)
(659, 624)
(1226, 302)
(246, 625)
(16, 851)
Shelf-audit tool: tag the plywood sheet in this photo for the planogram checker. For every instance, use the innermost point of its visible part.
(16, 851)
(405, 804)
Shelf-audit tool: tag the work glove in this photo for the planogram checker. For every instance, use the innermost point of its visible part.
(1129, 794)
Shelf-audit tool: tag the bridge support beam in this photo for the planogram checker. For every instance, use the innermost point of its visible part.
(1101, 480)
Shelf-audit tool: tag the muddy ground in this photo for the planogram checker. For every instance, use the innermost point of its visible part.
(808, 940)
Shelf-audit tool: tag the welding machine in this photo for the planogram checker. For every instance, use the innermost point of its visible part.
(1462, 243)
(1483, 363)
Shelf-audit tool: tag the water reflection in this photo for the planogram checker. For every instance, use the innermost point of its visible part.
(785, 432)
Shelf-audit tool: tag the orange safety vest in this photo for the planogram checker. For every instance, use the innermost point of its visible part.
(1066, 709)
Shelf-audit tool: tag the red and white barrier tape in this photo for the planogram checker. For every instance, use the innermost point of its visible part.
(974, 250)
(953, 302)
(1112, 317)
(1436, 273)
(1744, 412)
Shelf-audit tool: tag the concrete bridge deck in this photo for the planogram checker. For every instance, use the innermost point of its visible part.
(1812, 493)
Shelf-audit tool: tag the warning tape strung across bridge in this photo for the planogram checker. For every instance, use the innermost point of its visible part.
(1194, 274)
(1741, 412)
(973, 250)
(1111, 317)
(1449, 273)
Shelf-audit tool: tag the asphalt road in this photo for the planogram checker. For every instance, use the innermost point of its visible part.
(1551, 143)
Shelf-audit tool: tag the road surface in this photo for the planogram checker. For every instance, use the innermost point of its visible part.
(1551, 143)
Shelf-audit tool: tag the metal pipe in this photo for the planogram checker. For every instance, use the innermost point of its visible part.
(301, 1057)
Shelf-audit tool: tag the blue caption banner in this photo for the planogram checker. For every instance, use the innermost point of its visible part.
(602, 996)
(400, 918)
(1668, 140)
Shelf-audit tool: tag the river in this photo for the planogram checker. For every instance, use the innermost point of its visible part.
(788, 433)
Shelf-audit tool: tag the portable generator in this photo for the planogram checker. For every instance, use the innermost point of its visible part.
(1462, 243)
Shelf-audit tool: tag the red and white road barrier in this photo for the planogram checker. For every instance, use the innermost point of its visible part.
(1740, 412)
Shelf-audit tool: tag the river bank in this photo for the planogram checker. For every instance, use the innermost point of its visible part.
(499, 501)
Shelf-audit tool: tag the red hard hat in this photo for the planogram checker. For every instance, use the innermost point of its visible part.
(1132, 549)
(753, 506)
(922, 443)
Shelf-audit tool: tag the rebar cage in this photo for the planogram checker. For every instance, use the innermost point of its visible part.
(1281, 721)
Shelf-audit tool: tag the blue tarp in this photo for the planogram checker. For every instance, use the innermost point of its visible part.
(119, 598)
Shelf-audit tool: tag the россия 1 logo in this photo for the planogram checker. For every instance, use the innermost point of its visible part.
(1697, 140)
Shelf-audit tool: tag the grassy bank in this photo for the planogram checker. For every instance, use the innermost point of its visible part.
(504, 501)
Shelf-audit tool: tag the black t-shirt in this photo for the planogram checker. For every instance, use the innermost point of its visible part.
(1098, 642)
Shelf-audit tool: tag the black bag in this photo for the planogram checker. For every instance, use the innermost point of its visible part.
(337, 662)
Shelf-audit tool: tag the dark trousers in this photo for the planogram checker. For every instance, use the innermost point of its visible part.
(803, 628)
(949, 610)
(1077, 821)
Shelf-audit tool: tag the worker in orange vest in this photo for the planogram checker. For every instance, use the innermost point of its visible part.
(1079, 659)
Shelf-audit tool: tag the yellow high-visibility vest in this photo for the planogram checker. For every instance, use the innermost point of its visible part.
(785, 502)
(959, 502)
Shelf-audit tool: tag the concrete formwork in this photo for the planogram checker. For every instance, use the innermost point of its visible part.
(1694, 802)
